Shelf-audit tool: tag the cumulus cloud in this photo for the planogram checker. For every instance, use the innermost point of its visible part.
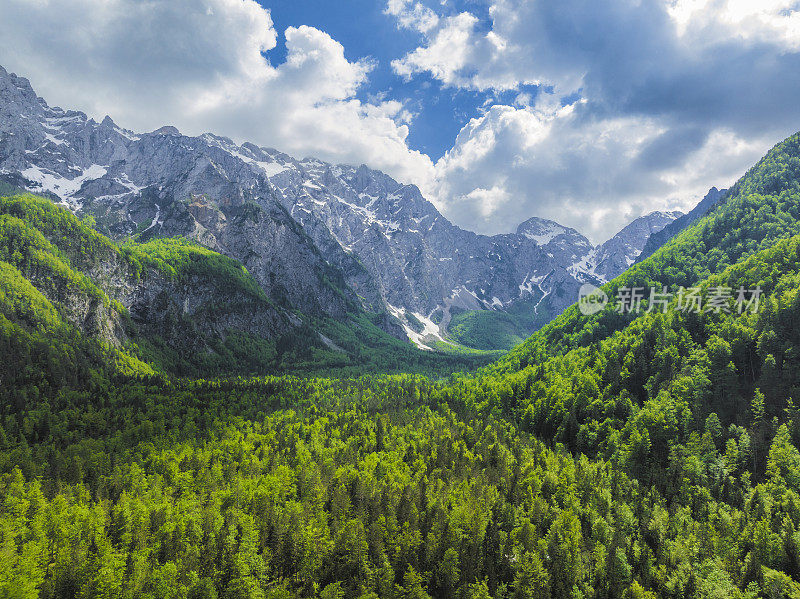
(201, 66)
(412, 15)
(459, 55)
(573, 44)
(771, 21)
(674, 96)
(577, 169)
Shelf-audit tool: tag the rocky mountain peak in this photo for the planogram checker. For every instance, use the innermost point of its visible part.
(648, 224)
(167, 130)
(618, 253)
(11, 82)
(544, 232)
(17, 96)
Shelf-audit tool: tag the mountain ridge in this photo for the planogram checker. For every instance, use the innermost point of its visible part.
(659, 238)
(318, 237)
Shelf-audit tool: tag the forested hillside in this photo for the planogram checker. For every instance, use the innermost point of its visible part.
(183, 308)
(616, 455)
(761, 208)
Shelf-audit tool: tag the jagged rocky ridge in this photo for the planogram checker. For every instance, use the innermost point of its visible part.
(621, 251)
(320, 239)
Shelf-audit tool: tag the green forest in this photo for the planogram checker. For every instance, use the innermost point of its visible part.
(616, 455)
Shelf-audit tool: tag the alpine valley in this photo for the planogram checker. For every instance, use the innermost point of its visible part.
(208, 389)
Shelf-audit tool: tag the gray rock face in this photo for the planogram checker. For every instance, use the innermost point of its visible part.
(186, 313)
(621, 251)
(189, 313)
(320, 238)
(165, 184)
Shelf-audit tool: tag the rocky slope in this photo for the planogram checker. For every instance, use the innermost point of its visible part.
(618, 253)
(171, 298)
(320, 239)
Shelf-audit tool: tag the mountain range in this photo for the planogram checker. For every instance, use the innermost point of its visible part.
(322, 240)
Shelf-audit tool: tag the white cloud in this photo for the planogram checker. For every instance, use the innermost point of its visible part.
(200, 66)
(412, 15)
(459, 55)
(485, 201)
(563, 44)
(771, 21)
(676, 96)
(583, 172)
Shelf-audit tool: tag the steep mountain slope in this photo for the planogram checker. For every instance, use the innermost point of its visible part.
(760, 209)
(674, 394)
(177, 298)
(614, 256)
(319, 238)
(163, 184)
(178, 307)
(680, 364)
(424, 265)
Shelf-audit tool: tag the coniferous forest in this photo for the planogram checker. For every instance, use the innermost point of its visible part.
(632, 455)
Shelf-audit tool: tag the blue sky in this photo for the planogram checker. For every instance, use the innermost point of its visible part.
(587, 112)
(366, 30)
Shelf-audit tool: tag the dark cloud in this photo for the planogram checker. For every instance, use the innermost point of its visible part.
(669, 149)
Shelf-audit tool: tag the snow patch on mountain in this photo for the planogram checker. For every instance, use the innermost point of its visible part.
(44, 180)
(420, 329)
(540, 230)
